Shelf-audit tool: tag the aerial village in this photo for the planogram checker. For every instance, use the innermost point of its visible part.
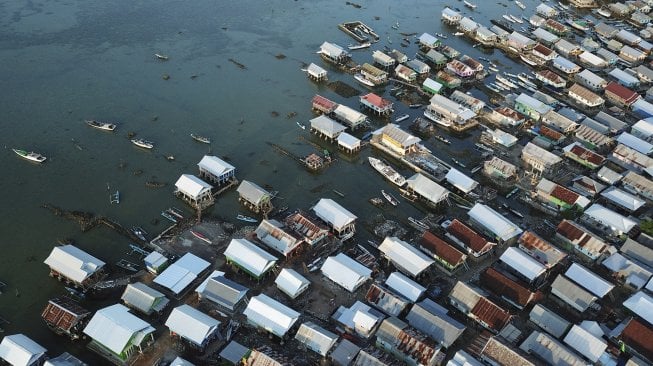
(540, 253)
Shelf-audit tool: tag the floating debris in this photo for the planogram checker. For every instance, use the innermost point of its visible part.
(280, 56)
(165, 77)
(343, 89)
(155, 184)
(357, 6)
(274, 114)
(291, 115)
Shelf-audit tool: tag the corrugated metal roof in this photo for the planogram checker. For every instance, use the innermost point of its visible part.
(141, 296)
(349, 115)
(427, 188)
(547, 157)
(66, 359)
(234, 352)
(327, 126)
(215, 165)
(405, 256)
(404, 286)
(440, 326)
(550, 350)
(181, 273)
(404, 138)
(503, 354)
(191, 324)
(345, 271)
(608, 217)
(291, 282)
(589, 280)
(464, 296)
(272, 234)
(642, 305)
(507, 288)
(541, 249)
(114, 327)
(623, 199)
(270, 314)
(334, 214)
(316, 338)
(73, 262)
(638, 251)
(348, 141)
(585, 343)
(385, 300)
(638, 336)
(572, 294)
(460, 180)
(635, 275)
(549, 321)
(344, 353)
(332, 50)
(432, 244)
(192, 186)
(494, 222)
(252, 192)
(247, 255)
(635, 142)
(462, 358)
(224, 291)
(18, 349)
(316, 70)
(359, 317)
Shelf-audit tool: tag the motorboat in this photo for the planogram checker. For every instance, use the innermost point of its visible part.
(301, 125)
(442, 138)
(31, 156)
(520, 4)
(101, 125)
(402, 118)
(387, 171)
(202, 139)
(418, 224)
(246, 218)
(458, 34)
(505, 82)
(361, 79)
(359, 46)
(508, 18)
(161, 57)
(460, 164)
(393, 201)
(469, 4)
(169, 216)
(140, 233)
(437, 119)
(143, 143)
(201, 236)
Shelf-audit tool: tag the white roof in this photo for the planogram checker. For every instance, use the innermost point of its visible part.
(623, 198)
(332, 49)
(536, 151)
(644, 127)
(649, 285)
(215, 165)
(404, 286)
(405, 256)
(20, 350)
(181, 362)
(462, 358)
(155, 259)
(636, 275)
(621, 75)
(247, 255)
(608, 175)
(427, 39)
(494, 222)
(291, 282)
(191, 324)
(359, 317)
(349, 114)
(345, 271)
(272, 233)
(348, 141)
(427, 188)
(270, 314)
(609, 217)
(432, 84)
(502, 137)
(213, 275)
(181, 273)
(585, 343)
(334, 214)
(590, 281)
(460, 180)
(642, 305)
(73, 262)
(316, 338)
(192, 185)
(316, 70)
(522, 263)
(635, 143)
(326, 125)
(114, 327)
(592, 59)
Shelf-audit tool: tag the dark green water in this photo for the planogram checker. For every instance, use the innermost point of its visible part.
(66, 61)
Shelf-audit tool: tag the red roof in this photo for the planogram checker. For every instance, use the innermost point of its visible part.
(638, 336)
(587, 155)
(510, 113)
(550, 133)
(491, 314)
(441, 248)
(622, 93)
(468, 236)
(564, 194)
(323, 102)
(376, 100)
(570, 231)
(501, 285)
(531, 241)
(543, 49)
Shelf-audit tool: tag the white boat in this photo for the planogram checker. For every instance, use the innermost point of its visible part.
(476, 168)
(604, 12)
(387, 171)
(493, 89)
(528, 61)
(516, 19)
(469, 5)
(202, 139)
(114, 197)
(418, 224)
(246, 218)
(359, 46)
(161, 57)
(458, 34)
(393, 201)
(169, 216)
(508, 18)
(143, 143)
(440, 35)
(139, 232)
(402, 118)
(31, 156)
(505, 82)
(361, 79)
(442, 138)
(101, 125)
(499, 87)
(458, 163)
(493, 69)
(520, 4)
(301, 126)
(563, 6)
(435, 118)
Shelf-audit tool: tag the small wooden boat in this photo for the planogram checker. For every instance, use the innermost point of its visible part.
(402, 118)
(175, 211)
(168, 216)
(125, 264)
(520, 4)
(338, 193)
(161, 57)
(143, 143)
(202, 139)
(139, 232)
(418, 224)
(114, 197)
(300, 125)
(361, 79)
(460, 164)
(476, 168)
(414, 106)
(246, 218)
(512, 193)
(443, 139)
(101, 125)
(201, 236)
(469, 4)
(393, 201)
(31, 156)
